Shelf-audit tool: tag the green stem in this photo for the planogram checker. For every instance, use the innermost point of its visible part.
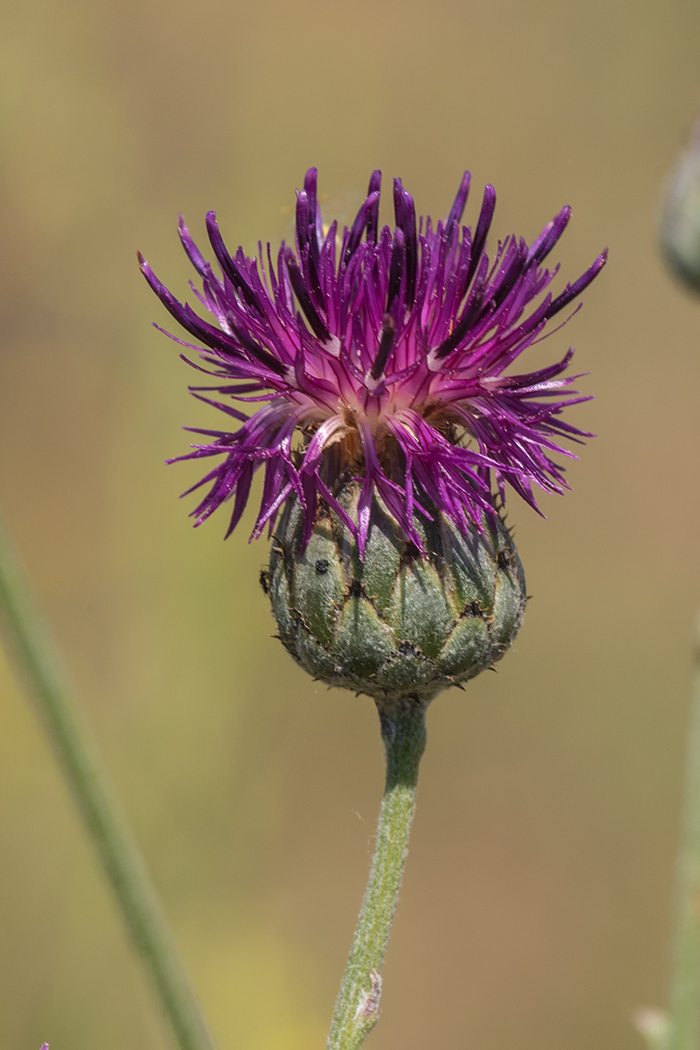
(29, 639)
(357, 1005)
(684, 1007)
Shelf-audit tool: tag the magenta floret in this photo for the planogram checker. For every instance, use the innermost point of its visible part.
(381, 355)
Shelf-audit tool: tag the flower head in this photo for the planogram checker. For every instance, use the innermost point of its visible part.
(680, 222)
(381, 355)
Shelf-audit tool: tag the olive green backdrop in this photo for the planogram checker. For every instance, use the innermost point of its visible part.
(535, 909)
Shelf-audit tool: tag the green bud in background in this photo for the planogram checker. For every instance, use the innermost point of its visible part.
(680, 223)
(395, 623)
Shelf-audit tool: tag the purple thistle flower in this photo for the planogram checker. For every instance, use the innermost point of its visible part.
(380, 355)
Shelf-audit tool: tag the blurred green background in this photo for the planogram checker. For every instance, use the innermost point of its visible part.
(536, 903)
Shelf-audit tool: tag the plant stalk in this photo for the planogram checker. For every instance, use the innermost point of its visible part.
(357, 1005)
(38, 663)
(684, 1000)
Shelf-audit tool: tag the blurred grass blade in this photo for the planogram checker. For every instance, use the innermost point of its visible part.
(684, 1006)
(653, 1026)
(30, 643)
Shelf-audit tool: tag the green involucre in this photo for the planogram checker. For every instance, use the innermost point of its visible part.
(397, 622)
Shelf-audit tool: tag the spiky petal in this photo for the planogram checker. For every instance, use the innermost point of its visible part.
(380, 355)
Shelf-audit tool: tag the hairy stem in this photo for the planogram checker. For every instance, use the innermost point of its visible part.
(684, 1006)
(357, 1005)
(29, 641)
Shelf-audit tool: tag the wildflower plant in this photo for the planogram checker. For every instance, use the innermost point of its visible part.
(370, 375)
(390, 428)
